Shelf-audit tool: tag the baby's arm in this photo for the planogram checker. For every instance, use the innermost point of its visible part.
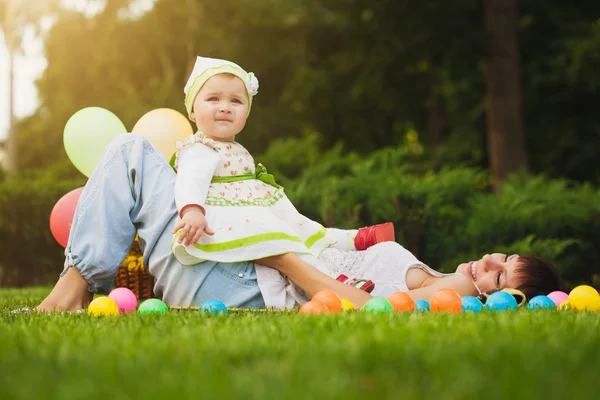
(195, 168)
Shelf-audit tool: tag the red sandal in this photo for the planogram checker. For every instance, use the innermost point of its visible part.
(371, 235)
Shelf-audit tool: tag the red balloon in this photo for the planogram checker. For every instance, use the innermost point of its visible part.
(62, 214)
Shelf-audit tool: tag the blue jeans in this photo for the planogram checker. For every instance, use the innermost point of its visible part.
(132, 190)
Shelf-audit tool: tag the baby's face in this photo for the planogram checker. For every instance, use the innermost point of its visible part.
(221, 107)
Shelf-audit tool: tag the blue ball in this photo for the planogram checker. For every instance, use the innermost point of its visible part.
(500, 301)
(213, 306)
(471, 303)
(421, 305)
(541, 302)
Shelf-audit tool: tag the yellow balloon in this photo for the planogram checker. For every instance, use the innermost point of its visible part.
(346, 305)
(584, 297)
(103, 306)
(163, 127)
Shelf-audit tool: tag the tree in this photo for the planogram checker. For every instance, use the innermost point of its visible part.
(503, 96)
(15, 15)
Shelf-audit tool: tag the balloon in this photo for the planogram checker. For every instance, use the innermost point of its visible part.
(163, 127)
(62, 214)
(87, 133)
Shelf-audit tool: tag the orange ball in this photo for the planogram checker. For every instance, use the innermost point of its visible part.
(314, 307)
(401, 302)
(330, 299)
(446, 300)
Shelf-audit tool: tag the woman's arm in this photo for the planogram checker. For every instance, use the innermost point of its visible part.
(311, 280)
(460, 283)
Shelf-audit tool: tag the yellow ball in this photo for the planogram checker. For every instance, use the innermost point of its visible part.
(103, 306)
(564, 306)
(346, 305)
(584, 297)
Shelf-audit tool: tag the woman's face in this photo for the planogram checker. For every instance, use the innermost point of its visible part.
(492, 272)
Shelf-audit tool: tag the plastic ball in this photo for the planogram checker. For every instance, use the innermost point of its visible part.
(314, 307)
(500, 301)
(584, 297)
(446, 300)
(214, 307)
(153, 306)
(541, 302)
(558, 297)
(421, 305)
(103, 306)
(471, 303)
(330, 299)
(401, 302)
(347, 305)
(125, 299)
(378, 305)
(564, 306)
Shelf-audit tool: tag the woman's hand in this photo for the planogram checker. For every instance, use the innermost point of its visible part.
(70, 294)
(192, 224)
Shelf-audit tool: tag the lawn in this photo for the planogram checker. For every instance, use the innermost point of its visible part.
(260, 355)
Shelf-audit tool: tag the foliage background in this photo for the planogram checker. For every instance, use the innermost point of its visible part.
(367, 112)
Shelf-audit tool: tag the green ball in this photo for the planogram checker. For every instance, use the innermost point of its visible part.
(378, 305)
(153, 306)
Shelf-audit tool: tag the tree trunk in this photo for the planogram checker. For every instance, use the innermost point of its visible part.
(435, 121)
(503, 97)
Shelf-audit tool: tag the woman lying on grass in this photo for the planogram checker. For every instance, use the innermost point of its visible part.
(132, 190)
(249, 251)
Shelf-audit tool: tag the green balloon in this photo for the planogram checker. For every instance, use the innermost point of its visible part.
(153, 306)
(86, 135)
(378, 304)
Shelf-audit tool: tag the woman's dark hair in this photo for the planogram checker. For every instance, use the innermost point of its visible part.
(536, 276)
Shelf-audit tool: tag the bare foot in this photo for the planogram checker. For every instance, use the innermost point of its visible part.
(69, 294)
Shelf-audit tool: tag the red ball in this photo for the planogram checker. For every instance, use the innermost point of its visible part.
(329, 299)
(446, 300)
(401, 302)
(61, 217)
(314, 307)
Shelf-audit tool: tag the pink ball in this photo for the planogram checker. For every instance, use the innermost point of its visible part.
(125, 299)
(558, 297)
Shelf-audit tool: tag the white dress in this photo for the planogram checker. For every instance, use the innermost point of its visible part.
(252, 217)
(386, 264)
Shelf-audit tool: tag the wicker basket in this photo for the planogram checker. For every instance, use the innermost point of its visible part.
(133, 275)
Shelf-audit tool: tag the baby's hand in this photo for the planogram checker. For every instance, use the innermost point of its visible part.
(192, 225)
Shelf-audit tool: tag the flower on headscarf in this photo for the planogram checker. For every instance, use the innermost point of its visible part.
(252, 84)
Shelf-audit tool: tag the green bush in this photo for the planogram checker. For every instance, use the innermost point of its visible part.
(444, 217)
(28, 252)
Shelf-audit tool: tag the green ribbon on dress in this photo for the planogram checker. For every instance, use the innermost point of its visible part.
(261, 174)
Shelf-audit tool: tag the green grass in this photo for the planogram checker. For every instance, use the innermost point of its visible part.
(258, 355)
